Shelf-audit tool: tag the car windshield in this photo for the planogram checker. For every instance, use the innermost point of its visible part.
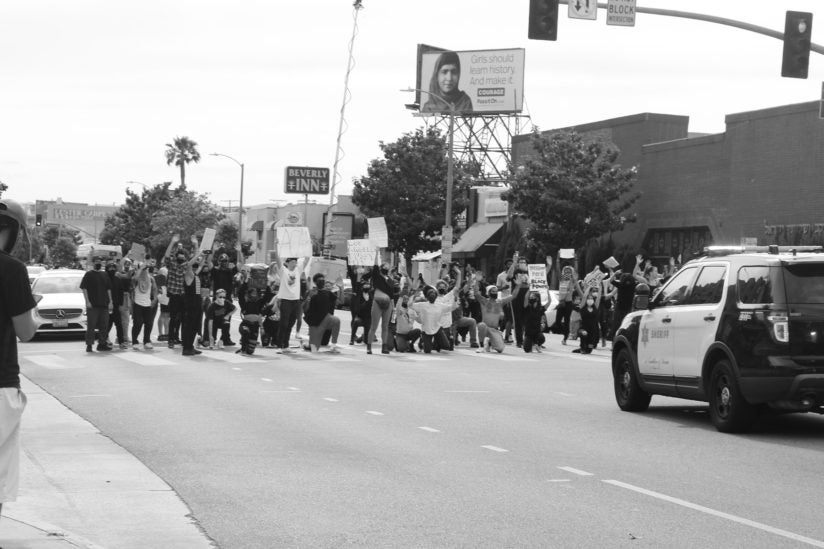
(804, 283)
(57, 285)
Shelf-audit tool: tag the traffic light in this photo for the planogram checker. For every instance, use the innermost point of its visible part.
(797, 32)
(38, 220)
(543, 19)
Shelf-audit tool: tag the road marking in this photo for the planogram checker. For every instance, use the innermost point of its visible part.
(720, 514)
(330, 399)
(230, 357)
(495, 449)
(429, 429)
(293, 388)
(563, 394)
(558, 480)
(575, 471)
(144, 359)
(54, 362)
(374, 413)
(266, 379)
(422, 357)
(237, 369)
(467, 391)
(89, 396)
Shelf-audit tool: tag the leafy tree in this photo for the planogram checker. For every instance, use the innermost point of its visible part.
(187, 214)
(63, 252)
(407, 187)
(3, 188)
(571, 190)
(52, 233)
(180, 152)
(226, 236)
(132, 223)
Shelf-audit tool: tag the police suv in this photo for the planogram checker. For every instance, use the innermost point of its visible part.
(741, 328)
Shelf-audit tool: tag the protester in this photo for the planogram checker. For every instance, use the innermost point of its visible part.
(218, 316)
(319, 307)
(504, 289)
(97, 291)
(118, 288)
(533, 314)
(519, 272)
(361, 304)
(406, 334)
(430, 313)
(251, 318)
(492, 309)
(589, 331)
(175, 288)
(163, 303)
(567, 284)
(16, 321)
(190, 317)
(289, 298)
(223, 279)
(145, 301)
(384, 287)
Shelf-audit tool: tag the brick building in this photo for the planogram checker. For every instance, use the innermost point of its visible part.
(759, 181)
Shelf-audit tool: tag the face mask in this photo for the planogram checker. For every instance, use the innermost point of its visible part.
(224, 261)
(493, 295)
(404, 304)
(384, 271)
(442, 291)
(110, 269)
(590, 302)
(321, 283)
(220, 300)
(196, 265)
(181, 260)
(151, 269)
(366, 289)
(430, 297)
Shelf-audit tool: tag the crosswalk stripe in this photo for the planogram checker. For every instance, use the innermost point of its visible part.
(233, 358)
(144, 359)
(54, 362)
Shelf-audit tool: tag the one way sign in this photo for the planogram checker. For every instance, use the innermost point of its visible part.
(583, 9)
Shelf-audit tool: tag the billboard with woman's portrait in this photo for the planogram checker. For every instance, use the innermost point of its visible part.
(463, 82)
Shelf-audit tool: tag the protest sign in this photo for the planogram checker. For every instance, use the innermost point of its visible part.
(361, 252)
(208, 240)
(137, 253)
(378, 232)
(332, 269)
(566, 253)
(538, 281)
(610, 262)
(593, 279)
(294, 242)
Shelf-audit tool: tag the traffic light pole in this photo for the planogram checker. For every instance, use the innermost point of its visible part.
(711, 19)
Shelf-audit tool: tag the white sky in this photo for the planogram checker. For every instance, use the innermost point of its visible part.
(93, 90)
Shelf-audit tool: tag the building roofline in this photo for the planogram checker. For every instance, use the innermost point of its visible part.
(613, 122)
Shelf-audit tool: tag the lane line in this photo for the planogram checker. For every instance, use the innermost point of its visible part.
(429, 429)
(330, 399)
(374, 413)
(495, 449)
(559, 480)
(237, 369)
(266, 379)
(575, 471)
(293, 388)
(719, 514)
(89, 396)
(563, 394)
(467, 391)
(144, 359)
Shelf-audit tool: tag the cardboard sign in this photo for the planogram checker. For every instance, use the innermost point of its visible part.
(566, 253)
(378, 232)
(137, 253)
(294, 242)
(361, 252)
(332, 269)
(610, 262)
(593, 280)
(208, 240)
(538, 281)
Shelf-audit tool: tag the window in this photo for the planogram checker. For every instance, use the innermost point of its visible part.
(709, 287)
(754, 285)
(675, 291)
(804, 283)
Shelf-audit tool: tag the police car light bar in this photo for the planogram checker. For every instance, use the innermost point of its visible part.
(714, 251)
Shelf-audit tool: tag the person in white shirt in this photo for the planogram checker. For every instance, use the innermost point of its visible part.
(289, 298)
(430, 314)
(145, 301)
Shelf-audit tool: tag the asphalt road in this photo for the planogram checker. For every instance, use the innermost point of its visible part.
(450, 450)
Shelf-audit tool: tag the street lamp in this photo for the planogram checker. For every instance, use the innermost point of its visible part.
(240, 206)
(449, 160)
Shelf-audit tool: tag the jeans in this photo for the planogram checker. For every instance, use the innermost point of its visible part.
(381, 312)
(97, 318)
(289, 312)
(143, 318)
(329, 323)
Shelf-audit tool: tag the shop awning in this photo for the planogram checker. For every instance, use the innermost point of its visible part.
(475, 237)
(256, 226)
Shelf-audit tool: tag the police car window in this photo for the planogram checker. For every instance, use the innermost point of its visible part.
(709, 287)
(804, 283)
(675, 291)
(755, 285)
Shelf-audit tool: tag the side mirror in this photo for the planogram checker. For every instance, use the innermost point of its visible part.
(641, 299)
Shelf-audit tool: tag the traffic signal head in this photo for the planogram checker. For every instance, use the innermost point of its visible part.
(543, 19)
(38, 220)
(797, 32)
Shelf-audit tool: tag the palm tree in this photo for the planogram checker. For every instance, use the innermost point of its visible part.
(180, 152)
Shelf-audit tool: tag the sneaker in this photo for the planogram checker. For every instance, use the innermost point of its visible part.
(104, 347)
(334, 349)
(474, 346)
(219, 344)
(192, 352)
(487, 346)
(89, 349)
(171, 344)
(229, 343)
(124, 346)
(538, 349)
(287, 351)
(563, 342)
(577, 350)
(148, 346)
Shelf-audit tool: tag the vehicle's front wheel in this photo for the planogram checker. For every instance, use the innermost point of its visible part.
(729, 411)
(628, 394)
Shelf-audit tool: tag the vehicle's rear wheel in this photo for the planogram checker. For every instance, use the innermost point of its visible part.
(628, 394)
(729, 411)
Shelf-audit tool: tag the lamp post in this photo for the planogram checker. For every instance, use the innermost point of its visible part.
(449, 161)
(239, 209)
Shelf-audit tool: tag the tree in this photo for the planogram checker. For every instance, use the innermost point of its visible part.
(52, 233)
(407, 187)
(186, 214)
(571, 190)
(132, 222)
(226, 236)
(63, 252)
(3, 188)
(180, 152)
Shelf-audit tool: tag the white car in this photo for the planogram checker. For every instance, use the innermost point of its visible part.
(34, 270)
(61, 307)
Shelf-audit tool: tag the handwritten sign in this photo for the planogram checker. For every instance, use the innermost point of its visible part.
(361, 252)
(294, 242)
(593, 280)
(208, 240)
(332, 269)
(610, 262)
(566, 253)
(378, 232)
(137, 253)
(538, 281)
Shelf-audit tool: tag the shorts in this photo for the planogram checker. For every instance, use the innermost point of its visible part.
(12, 404)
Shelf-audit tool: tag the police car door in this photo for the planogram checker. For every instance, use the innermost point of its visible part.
(655, 344)
(696, 324)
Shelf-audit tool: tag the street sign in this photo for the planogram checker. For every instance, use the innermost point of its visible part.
(621, 13)
(583, 9)
(307, 180)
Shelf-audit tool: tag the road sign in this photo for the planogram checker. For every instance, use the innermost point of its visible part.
(621, 13)
(307, 180)
(583, 9)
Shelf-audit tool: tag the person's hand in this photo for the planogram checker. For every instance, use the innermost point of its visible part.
(111, 307)
(638, 259)
(194, 240)
(549, 261)
(175, 238)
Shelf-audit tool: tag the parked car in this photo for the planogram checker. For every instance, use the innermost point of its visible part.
(34, 270)
(61, 307)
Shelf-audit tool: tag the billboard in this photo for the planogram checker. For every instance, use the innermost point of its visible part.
(475, 81)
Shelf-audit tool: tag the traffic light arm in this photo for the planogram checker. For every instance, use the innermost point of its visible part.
(712, 19)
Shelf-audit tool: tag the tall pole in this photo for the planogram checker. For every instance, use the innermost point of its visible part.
(240, 206)
(449, 171)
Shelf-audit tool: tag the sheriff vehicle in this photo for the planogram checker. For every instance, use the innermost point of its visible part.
(741, 328)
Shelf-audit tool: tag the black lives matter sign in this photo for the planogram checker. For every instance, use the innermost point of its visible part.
(307, 180)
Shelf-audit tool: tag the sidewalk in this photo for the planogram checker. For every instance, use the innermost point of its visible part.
(78, 489)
